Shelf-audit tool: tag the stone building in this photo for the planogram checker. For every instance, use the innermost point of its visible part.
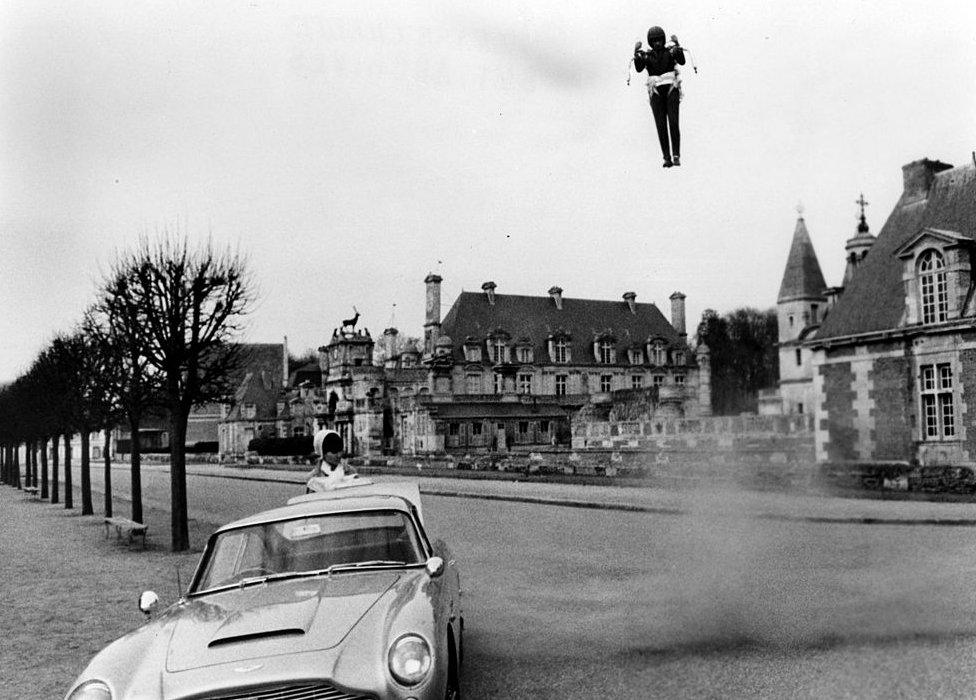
(254, 410)
(508, 371)
(802, 304)
(498, 372)
(894, 361)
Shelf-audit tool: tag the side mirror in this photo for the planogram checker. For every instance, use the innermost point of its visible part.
(148, 602)
(435, 567)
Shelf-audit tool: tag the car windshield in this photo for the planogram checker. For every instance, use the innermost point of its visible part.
(310, 544)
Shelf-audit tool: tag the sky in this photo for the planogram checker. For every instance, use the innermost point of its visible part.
(348, 149)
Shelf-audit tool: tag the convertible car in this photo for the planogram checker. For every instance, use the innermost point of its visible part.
(338, 595)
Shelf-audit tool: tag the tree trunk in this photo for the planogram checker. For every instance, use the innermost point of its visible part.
(108, 472)
(34, 469)
(27, 464)
(33, 447)
(4, 463)
(17, 467)
(69, 499)
(86, 497)
(135, 467)
(177, 454)
(44, 484)
(55, 457)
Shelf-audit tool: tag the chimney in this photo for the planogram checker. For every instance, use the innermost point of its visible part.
(432, 324)
(918, 176)
(389, 342)
(489, 288)
(284, 353)
(678, 313)
(629, 297)
(557, 296)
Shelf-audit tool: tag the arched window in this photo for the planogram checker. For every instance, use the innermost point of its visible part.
(932, 284)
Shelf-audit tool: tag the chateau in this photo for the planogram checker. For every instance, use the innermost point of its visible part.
(498, 372)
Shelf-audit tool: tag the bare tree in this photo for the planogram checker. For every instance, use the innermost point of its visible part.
(190, 304)
(73, 363)
(119, 390)
(120, 324)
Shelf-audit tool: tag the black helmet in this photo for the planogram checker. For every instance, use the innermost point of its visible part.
(655, 34)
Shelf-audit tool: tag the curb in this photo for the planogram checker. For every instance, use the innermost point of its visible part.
(655, 510)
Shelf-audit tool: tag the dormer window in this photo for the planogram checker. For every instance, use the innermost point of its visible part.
(250, 411)
(560, 350)
(636, 356)
(605, 352)
(933, 287)
(498, 350)
(472, 349)
(679, 358)
(524, 354)
(658, 353)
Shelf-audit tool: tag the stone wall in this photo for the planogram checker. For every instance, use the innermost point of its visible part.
(890, 390)
(751, 450)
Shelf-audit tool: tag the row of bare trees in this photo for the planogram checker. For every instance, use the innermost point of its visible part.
(157, 341)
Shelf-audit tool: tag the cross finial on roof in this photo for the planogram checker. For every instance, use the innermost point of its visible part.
(799, 210)
(862, 227)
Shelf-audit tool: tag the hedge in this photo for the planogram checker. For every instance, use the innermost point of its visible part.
(297, 446)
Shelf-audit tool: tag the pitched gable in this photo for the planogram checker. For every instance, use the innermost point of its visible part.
(875, 298)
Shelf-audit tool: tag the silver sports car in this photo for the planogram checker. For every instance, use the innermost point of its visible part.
(337, 595)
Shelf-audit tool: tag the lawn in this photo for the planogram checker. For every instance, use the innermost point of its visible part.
(54, 558)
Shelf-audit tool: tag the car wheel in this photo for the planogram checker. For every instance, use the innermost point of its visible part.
(453, 690)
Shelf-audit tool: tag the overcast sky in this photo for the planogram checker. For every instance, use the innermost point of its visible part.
(348, 149)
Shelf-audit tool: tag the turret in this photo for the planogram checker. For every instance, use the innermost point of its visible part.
(858, 246)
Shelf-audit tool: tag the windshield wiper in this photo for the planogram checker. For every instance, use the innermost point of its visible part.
(354, 565)
(375, 562)
(283, 575)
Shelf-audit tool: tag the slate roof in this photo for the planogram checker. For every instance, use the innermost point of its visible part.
(259, 380)
(260, 389)
(536, 318)
(257, 357)
(802, 278)
(309, 372)
(874, 300)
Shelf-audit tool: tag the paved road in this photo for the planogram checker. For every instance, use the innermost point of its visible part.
(582, 603)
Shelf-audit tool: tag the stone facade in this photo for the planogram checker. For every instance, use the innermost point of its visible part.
(894, 362)
(746, 450)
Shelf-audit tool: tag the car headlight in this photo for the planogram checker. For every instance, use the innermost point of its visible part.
(91, 690)
(410, 659)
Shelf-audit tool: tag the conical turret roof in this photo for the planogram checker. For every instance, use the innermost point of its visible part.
(802, 278)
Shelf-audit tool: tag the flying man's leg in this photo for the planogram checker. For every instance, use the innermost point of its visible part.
(674, 99)
(660, 110)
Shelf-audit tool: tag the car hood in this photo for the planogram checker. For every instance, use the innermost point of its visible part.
(272, 618)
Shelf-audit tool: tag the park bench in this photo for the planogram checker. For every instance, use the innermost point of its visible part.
(31, 491)
(130, 527)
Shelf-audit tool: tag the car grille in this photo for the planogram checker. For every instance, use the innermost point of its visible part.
(297, 691)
